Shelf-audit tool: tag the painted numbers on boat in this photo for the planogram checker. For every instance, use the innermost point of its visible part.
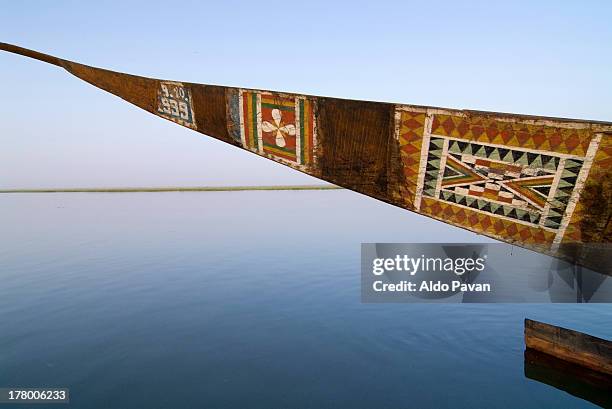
(174, 102)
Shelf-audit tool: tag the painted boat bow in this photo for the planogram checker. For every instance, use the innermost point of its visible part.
(537, 182)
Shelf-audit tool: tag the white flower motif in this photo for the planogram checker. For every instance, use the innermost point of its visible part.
(281, 130)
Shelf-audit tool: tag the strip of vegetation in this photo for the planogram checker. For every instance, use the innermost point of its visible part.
(170, 189)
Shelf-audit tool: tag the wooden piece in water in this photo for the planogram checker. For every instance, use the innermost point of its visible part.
(572, 346)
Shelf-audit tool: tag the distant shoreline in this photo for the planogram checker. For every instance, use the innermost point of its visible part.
(170, 189)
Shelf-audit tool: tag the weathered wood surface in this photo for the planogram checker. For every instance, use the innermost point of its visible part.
(538, 182)
(584, 383)
(572, 346)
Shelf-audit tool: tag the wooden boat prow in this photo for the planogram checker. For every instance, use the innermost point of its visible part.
(538, 182)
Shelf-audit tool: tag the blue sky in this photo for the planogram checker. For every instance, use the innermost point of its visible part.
(543, 58)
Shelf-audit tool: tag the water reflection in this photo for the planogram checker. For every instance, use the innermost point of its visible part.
(246, 299)
(595, 387)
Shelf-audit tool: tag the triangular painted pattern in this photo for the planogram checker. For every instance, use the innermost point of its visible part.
(456, 172)
(489, 224)
(528, 188)
(494, 208)
(569, 176)
(432, 169)
(504, 181)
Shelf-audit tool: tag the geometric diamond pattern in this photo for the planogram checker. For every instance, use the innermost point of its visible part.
(410, 142)
(512, 178)
(601, 171)
(487, 224)
(507, 182)
(480, 128)
(491, 207)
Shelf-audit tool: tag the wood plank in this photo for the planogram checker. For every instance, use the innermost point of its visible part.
(572, 346)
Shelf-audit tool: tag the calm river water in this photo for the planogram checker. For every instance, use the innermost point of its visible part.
(246, 300)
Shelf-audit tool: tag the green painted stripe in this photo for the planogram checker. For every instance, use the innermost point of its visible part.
(279, 107)
(254, 127)
(302, 136)
(278, 148)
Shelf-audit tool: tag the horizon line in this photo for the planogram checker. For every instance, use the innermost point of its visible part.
(169, 189)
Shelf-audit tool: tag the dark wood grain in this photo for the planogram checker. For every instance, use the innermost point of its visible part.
(572, 346)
